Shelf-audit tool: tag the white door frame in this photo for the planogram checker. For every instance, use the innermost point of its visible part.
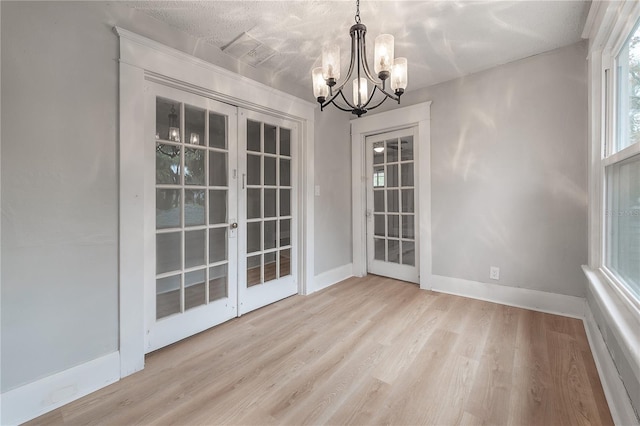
(144, 59)
(419, 116)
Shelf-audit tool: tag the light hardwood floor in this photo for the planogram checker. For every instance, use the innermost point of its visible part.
(366, 351)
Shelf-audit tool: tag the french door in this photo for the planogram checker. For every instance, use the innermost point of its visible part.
(392, 189)
(220, 216)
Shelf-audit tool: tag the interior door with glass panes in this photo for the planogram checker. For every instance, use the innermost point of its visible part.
(191, 214)
(392, 214)
(267, 210)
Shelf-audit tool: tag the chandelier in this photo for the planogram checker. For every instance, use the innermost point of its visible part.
(327, 90)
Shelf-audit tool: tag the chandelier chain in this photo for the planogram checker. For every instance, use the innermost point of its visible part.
(357, 17)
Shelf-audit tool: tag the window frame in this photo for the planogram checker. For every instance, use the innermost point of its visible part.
(627, 19)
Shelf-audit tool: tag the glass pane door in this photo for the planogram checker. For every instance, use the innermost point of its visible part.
(194, 282)
(269, 217)
(391, 201)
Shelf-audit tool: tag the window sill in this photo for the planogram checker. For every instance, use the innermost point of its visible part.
(623, 319)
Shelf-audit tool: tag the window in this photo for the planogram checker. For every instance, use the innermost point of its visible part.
(622, 173)
(628, 93)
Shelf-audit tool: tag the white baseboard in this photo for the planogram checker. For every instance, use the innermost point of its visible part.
(614, 390)
(560, 304)
(332, 276)
(34, 399)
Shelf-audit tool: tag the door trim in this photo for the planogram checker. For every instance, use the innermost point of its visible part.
(145, 59)
(418, 116)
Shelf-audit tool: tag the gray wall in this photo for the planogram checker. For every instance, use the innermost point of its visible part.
(509, 172)
(59, 178)
(59, 192)
(333, 241)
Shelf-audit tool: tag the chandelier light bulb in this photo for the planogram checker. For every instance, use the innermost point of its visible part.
(320, 88)
(399, 75)
(383, 59)
(360, 88)
(194, 139)
(331, 63)
(174, 130)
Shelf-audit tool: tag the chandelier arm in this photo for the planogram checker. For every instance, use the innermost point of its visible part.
(373, 92)
(347, 102)
(351, 66)
(381, 102)
(365, 64)
(360, 39)
(331, 100)
(340, 107)
(390, 95)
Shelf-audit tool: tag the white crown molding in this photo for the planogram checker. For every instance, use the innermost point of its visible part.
(37, 398)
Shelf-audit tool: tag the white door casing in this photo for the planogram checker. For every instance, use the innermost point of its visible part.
(400, 118)
(142, 59)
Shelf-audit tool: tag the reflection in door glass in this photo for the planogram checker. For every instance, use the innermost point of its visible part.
(379, 249)
(270, 267)
(217, 168)
(393, 251)
(168, 252)
(194, 248)
(218, 282)
(285, 262)
(406, 144)
(269, 198)
(393, 191)
(392, 151)
(194, 207)
(167, 296)
(195, 290)
(408, 253)
(167, 164)
(254, 270)
(167, 208)
(194, 166)
(217, 206)
(217, 131)
(393, 229)
(217, 245)
(191, 206)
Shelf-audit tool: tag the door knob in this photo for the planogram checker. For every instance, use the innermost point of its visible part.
(234, 225)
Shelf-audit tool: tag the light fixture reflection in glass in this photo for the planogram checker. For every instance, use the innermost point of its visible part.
(194, 139)
(364, 93)
(174, 130)
(378, 148)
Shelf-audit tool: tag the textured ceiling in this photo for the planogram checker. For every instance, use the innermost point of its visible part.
(442, 40)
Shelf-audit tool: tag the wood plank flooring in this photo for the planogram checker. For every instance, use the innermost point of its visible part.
(366, 351)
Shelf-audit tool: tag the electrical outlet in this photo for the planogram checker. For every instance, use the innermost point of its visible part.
(317, 190)
(494, 273)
